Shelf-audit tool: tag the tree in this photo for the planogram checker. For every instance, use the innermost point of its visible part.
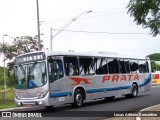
(26, 44)
(153, 65)
(146, 13)
(9, 80)
(8, 50)
(1, 74)
(19, 46)
(155, 56)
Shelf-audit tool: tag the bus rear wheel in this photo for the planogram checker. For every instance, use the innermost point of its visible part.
(109, 99)
(78, 99)
(134, 92)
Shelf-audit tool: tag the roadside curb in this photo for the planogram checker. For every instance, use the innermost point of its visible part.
(16, 108)
(155, 85)
(139, 118)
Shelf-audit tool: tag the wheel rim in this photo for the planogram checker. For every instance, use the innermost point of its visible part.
(79, 99)
(134, 91)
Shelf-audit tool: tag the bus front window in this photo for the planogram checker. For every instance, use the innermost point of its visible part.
(30, 75)
(20, 76)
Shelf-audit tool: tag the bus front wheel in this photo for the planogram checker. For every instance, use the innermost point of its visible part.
(48, 107)
(134, 90)
(78, 98)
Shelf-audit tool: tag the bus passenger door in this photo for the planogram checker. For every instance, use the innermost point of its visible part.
(56, 80)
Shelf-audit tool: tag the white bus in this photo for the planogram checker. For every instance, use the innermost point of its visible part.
(46, 78)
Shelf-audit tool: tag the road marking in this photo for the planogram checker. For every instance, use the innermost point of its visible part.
(148, 108)
(139, 118)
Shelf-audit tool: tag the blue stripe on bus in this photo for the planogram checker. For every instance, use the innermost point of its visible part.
(148, 80)
(62, 94)
(107, 89)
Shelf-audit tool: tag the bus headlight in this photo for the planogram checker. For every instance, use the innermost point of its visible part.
(43, 93)
(17, 97)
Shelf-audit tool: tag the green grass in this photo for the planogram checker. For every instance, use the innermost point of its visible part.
(7, 103)
(9, 95)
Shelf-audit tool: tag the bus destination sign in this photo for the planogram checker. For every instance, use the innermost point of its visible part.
(30, 58)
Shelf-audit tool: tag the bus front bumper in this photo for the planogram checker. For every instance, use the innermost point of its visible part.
(33, 101)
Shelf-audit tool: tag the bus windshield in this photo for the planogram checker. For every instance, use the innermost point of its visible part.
(28, 76)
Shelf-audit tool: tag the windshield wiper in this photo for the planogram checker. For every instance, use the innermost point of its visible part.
(32, 67)
(31, 70)
(29, 75)
(22, 69)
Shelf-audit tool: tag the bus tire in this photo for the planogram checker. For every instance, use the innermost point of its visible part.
(78, 98)
(48, 107)
(109, 99)
(134, 92)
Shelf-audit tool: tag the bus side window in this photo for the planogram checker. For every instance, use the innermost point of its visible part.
(142, 66)
(101, 66)
(86, 66)
(113, 66)
(124, 66)
(55, 70)
(71, 66)
(134, 66)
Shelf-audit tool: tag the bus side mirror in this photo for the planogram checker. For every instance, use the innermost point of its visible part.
(50, 59)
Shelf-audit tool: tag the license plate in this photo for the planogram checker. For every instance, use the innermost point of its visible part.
(28, 105)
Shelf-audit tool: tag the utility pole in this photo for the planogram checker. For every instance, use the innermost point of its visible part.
(51, 39)
(4, 74)
(38, 26)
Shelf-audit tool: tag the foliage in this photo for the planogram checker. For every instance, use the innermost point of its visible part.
(7, 103)
(146, 13)
(1, 74)
(26, 44)
(8, 50)
(155, 56)
(9, 80)
(154, 66)
(19, 46)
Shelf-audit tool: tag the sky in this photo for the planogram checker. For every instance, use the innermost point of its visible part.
(107, 28)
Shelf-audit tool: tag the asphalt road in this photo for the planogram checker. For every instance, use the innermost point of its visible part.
(99, 109)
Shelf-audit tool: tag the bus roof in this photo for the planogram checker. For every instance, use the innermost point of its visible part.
(91, 54)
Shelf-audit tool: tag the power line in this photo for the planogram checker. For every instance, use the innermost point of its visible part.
(98, 32)
(101, 15)
(104, 15)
